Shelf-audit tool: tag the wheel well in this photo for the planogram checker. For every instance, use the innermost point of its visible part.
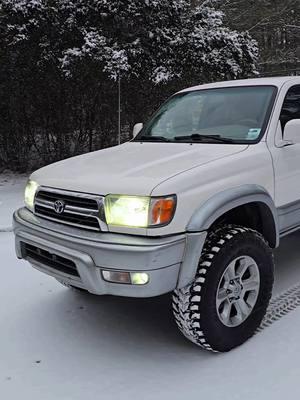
(255, 216)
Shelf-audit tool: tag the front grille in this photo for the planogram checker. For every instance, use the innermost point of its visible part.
(50, 260)
(80, 210)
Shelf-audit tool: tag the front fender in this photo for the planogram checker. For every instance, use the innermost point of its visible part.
(204, 217)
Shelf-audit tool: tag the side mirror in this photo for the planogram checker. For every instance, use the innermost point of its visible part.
(137, 129)
(292, 131)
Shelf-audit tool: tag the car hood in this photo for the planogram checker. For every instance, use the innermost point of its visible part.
(132, 168)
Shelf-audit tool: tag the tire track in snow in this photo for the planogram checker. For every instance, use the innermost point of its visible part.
(281, 305)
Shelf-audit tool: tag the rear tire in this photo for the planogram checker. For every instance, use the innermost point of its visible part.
(225, 304)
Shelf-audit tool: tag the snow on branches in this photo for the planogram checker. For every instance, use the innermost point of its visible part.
(156, 40)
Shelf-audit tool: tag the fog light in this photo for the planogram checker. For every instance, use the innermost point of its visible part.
(139, 278)
(116, 277)
(129, 278)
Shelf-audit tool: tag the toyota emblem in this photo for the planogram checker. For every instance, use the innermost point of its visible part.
(59, 206)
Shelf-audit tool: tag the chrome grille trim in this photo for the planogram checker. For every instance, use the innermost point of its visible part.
(90, 215)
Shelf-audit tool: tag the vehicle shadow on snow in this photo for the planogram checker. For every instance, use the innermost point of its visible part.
(143, 327)
(287, 263)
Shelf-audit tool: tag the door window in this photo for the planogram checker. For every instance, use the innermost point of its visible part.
(291, 106)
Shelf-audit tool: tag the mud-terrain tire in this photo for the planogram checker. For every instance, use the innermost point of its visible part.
(200, 316)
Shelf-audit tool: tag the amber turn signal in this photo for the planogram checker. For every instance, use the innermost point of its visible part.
(162, 210)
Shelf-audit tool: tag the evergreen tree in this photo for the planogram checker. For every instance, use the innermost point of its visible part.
(275, 26)
(61, 59)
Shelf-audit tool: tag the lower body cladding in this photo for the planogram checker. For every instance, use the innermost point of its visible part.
(143, 266)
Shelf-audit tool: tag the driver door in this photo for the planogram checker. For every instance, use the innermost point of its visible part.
(287, 167)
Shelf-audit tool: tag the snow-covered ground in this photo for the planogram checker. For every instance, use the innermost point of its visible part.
(11, 197)
(56, 344)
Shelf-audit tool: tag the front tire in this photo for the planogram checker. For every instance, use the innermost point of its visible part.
(225, 304)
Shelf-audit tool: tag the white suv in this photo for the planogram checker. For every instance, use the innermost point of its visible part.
(193, 205)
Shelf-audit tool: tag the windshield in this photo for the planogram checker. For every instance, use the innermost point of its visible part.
(226, 115)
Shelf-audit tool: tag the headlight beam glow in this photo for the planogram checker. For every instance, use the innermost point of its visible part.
(127, 210)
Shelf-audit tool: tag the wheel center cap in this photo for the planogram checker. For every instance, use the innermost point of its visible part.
(236, 289)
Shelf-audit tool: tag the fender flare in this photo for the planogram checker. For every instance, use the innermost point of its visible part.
(219, 204)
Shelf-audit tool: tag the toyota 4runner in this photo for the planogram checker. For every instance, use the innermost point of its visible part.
(193, 204)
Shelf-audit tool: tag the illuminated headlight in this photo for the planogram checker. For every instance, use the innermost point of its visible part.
(139, 211)
(127, 210)
(30, 192)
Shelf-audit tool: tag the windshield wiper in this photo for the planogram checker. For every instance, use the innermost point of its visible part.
(198, 136)
(152, 139)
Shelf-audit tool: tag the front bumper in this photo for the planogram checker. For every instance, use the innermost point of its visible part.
(171, 262)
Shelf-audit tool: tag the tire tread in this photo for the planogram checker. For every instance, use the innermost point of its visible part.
(186, 301)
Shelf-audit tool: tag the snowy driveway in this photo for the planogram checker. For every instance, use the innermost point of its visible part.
(58, 344)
